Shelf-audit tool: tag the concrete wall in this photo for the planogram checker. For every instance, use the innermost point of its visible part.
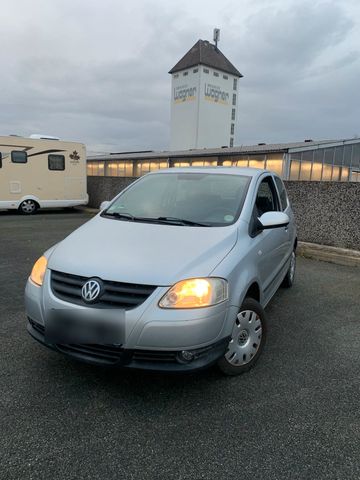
(326, 212)
(105, 188)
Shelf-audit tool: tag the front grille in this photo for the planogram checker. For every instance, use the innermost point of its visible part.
(68, 287)
(107, 354)
(154, 356)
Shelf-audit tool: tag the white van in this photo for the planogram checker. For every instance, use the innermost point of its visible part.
(41, 172)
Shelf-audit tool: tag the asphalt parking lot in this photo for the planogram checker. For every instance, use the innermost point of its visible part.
(294, 416)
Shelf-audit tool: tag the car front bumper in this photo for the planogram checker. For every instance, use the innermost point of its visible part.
(154, 338)
(152, 360)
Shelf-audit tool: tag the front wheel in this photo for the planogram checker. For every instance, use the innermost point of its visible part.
(27, 207)
(247, 339)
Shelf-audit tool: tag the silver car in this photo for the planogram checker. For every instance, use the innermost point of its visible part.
(172, 275)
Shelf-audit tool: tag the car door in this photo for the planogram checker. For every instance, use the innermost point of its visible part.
(286, 208)
(271, 244)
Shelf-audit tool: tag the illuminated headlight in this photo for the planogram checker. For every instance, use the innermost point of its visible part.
(38, 271)
(195, 293)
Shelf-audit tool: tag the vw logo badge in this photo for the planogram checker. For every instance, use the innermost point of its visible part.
(91, 290)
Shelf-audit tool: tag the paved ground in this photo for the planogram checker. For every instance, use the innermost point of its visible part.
(295, 416)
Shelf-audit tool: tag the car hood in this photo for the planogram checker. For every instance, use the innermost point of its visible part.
(144, 253)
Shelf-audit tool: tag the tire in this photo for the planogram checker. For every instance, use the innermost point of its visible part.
(248, 339)
(290, 275)
(28, 207)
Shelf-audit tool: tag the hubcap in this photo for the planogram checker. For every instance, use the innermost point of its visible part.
(28, 206)
(292, 266)
(245, 339)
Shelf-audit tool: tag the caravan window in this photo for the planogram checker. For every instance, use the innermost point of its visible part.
(19, 156)
(56, 162)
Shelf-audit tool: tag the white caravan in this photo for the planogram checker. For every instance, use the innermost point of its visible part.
(41, 172)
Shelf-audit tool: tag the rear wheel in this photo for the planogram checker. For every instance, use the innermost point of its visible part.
(247, 339)
(290, 275)
(27, 207)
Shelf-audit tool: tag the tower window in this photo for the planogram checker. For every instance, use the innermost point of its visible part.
(235, 84)
(234, 99)
(216, 74)
(233, 114)
(232, 129)
(231, 142)
(206, 70)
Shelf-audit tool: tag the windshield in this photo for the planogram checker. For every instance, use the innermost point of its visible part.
(204, 199)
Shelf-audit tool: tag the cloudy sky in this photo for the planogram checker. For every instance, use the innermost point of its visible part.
(96, 71)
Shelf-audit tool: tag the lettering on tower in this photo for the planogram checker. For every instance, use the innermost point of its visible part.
(214, 93)
(184, 93)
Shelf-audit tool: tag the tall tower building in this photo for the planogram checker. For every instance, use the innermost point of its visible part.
(204, 99)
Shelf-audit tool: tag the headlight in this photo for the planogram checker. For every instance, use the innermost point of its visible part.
(38, 271)
(195, 293)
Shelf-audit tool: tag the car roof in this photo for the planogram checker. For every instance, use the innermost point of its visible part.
(244, 171)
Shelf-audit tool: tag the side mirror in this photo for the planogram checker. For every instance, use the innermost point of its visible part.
(104, 205)
(273, 220)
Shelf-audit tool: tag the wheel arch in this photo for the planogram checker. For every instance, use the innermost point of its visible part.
(30, 197)
(254, 292)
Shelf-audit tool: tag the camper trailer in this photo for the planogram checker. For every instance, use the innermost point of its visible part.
(41, 172)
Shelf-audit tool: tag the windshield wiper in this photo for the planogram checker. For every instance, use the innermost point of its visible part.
(171, 220)
(126, 216)
(183, 221)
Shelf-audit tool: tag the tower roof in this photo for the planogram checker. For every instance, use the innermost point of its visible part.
(205, 53)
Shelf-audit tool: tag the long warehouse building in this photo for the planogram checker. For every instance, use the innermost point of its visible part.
(325, 160)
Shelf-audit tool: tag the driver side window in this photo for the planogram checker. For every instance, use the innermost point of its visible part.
(266, 198)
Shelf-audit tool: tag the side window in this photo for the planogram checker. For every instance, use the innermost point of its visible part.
(56, 162)
(282, 192)
(19, 156)
(266, 198)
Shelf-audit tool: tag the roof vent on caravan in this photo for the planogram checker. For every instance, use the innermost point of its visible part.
(37, 136)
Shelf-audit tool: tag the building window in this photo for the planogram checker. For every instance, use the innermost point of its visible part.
(225, 77)
(231, 142)
(19, 156)
(232, 129)
(234, 99)
(206, 70)
(275, 162)
(95, 169)
(233, 114)
(176, 75)
(216, 74)
(235, 84)
(56, 162)
(257, 161)
(185, 73)
(195, 70)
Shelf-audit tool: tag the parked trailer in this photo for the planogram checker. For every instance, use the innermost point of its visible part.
(41, 172)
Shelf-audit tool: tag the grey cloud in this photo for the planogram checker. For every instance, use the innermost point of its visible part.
(104, 80)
